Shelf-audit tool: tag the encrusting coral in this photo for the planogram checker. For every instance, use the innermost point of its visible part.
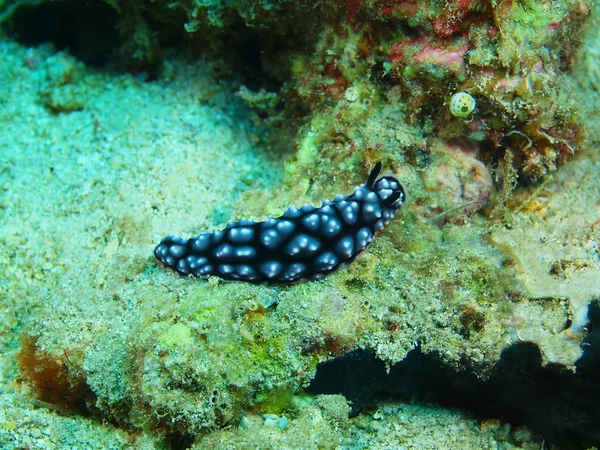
(362, 81)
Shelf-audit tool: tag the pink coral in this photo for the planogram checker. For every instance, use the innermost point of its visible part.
(460, 177)
(442, 55)
(450, 21)
(424, 51)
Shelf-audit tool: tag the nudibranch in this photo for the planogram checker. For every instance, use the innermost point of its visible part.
(305, 243)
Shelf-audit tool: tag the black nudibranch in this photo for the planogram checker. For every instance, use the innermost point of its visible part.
(305, 243)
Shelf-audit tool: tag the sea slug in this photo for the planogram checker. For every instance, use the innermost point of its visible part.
(305, 243)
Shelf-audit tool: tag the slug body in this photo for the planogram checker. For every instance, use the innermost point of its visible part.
(305, 243)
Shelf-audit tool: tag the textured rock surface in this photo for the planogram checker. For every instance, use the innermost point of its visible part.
(100, 166)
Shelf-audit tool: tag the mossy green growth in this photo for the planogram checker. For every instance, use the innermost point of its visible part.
(175, 336)
(202, 304)
(308, 148)
(276, 401)
(529, 27)
(534, 15)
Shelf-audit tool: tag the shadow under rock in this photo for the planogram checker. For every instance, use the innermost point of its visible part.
(551, 400)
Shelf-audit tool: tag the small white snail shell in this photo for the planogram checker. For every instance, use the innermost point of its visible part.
(462, 104)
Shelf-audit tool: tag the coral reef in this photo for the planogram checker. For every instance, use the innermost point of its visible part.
(514, 389)
(494, 249)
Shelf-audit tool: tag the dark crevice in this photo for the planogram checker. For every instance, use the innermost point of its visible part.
(178, 441)
(85, 29)
(98, 35)
(551, 400)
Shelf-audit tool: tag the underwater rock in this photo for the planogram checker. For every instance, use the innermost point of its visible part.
(357, 82)
(457, 177)
(551, 400)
